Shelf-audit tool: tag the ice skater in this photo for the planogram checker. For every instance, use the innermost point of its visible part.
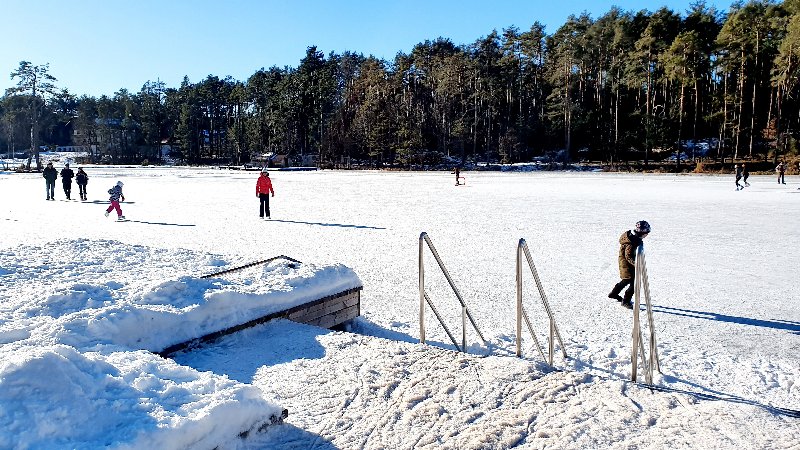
(49, 173)
(82, 179)
(745, 175)
(66, 180)
(263, 189)
(738, 170)
(116, 195)
(629, 242)
(781, 169)
(457, 171)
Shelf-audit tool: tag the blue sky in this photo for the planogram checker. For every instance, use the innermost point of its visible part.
(97, 47)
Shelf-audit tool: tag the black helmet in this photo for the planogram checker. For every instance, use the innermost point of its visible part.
(642, 227)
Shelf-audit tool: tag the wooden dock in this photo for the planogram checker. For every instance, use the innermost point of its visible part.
(326, 312)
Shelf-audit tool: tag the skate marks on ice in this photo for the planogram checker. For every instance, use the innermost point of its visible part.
(350, 391)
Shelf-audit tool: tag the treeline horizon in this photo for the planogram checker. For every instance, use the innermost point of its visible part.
(627, 86)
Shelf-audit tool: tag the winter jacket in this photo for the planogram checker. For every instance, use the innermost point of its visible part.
(116, 193)
(81, 178)
(66, 175)
(264, 186)
(628, 243)
(50, 174)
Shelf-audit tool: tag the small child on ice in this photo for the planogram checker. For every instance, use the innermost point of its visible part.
(116, 195)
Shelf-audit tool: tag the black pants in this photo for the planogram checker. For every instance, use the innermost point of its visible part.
(621, 285)
(264, 208)
(67, 189)
(82, 191)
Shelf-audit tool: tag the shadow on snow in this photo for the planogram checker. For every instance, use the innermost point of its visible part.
(328, 224)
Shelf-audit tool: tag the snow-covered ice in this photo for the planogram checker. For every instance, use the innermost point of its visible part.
(83, 298)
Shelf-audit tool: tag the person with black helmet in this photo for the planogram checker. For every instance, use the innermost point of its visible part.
(50, 175)
(66, 180)
(628, 243)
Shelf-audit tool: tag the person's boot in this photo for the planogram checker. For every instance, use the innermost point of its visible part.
(614, 294)
(627, 304)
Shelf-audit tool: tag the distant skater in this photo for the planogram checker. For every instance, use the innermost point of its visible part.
(263, 189)
(66, 180)
(82, 179)
(457, 171)
(738, 170)
(49, 173)
(629, 242)
(781, 169)
(745, 174)
(116, 195)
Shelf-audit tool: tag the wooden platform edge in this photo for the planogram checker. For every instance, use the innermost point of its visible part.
(351, 309)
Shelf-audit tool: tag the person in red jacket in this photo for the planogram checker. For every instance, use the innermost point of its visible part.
(263, 189)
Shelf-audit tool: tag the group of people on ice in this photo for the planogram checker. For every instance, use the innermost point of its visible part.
(82, 179)
(742, 173)
(50, 174)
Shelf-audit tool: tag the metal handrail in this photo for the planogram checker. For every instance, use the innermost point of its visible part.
(522, 247)
(263, 261)
(642, 286)
(423, 298)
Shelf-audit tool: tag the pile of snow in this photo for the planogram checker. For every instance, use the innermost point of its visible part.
(94, 338)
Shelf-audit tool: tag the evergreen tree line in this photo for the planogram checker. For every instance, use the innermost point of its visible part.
(627, 86)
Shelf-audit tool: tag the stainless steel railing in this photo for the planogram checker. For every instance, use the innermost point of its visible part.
(522, 247)
(423, 298)
(642, 288)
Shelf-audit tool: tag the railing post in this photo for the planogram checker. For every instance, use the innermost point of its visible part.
(554, 334)
(519, 297)
(421, 291)
(464, 328)
(423, 298)
(642, 285)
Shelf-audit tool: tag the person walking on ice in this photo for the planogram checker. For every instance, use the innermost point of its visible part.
(82, 179)
(116, 195)
(738, 169)
(263, 189)
(628, 243)
(49, 173)
(745, 175)
(66, 180)
(457, 171)
(781, 169)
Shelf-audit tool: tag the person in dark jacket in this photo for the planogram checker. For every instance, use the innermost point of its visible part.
(629, 242)
(66, 180)
(82, 179)
(781, 169)
(745, 174)
(738, 169)
(49, 173)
